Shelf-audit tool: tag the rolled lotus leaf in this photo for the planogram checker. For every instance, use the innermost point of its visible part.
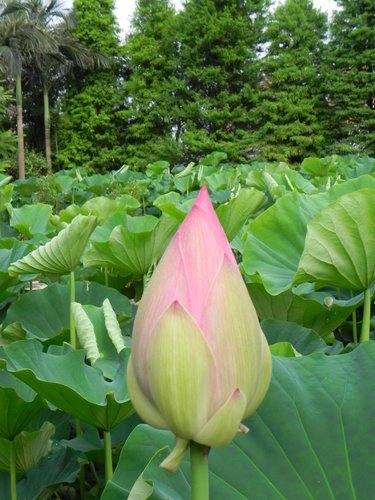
(61, 254)
(112, 326)
(86, 332)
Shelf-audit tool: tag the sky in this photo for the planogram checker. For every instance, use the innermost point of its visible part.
(125, 9)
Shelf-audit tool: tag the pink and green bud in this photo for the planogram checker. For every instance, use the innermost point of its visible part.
(200, 362)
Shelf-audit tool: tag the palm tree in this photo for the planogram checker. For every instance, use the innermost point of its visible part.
(20, 40)
(57, 24)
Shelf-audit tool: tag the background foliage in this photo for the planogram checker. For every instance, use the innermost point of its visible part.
(239, 77)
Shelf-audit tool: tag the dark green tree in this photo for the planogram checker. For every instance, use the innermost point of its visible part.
(219, 42)
(351, 78)
(290, 100)
(152, 113)
(89, 129)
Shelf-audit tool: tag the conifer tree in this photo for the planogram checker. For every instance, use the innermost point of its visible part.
(290, 101)
(151, 88)
(218, 48)
(351, 78)
(90, 128)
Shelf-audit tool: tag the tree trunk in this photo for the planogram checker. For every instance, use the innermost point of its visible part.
(21, 146)
(47, 128)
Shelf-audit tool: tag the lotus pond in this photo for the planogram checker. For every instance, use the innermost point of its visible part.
(77, 252)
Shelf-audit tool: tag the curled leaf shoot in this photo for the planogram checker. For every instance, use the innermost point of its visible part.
(85, 332)
(112, 326)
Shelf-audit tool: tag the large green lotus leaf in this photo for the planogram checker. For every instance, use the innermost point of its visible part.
(129, 202)
(220, 180)
(318, 311)
(234, 214)
(340, 243)
(170, 203)
(6, 192)
(60, 255)
(98, 252)
(11, 249)
(103, 232)
(18, 405)
(66, 215)
(276, 239)
(304, 340)
(141, 243)
(284, 349)
(315, 167)
(30, 447)
(62, 465)
(278, 179)
(30, 220)
(98, 183)
(63, 181)
(102, 208)
(157, 169)
(44, 314)
(25, 188)
(61, 376)
(312, 437)
(213, 159)
(133, 246)
(88, 440)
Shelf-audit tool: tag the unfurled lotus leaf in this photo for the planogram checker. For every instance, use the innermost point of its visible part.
(307, 423)
(62, 377)
(18, 405)
(133, 247)
(103, 208)
(62, 254)
(276, 239)
(31, 220)
(340, 243)
(30, 447)
(317, 310)
(233, 214)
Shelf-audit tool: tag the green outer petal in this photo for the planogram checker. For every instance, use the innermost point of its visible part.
(263, 379)
(181, 372)
(223, 425)
(145, 408)
(237, 342)
(174, 459)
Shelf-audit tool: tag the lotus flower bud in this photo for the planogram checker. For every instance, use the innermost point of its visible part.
(200, 362)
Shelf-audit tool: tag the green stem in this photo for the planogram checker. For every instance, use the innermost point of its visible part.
(47, 127)
(94, 473)
(365, 330)
(12, 466)
(73, 342)
(106, 281)
(82, 474)
(355, 329)
(20, 137)
(108, 456)
(199, 471)
(354, 322)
